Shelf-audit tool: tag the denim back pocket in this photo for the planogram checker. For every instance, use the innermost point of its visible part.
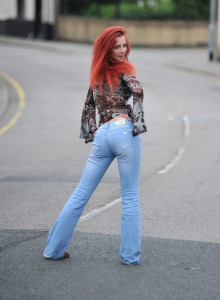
(122, 138)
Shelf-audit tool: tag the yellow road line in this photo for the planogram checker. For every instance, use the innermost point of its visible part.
(21, 97)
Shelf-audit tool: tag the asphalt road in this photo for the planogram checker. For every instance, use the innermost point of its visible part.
(42, 158)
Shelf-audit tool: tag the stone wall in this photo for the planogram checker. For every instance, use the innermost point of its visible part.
(149, 33)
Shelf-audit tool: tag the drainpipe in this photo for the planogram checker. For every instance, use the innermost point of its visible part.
(212, 31)
(218, 33)
(57, 13)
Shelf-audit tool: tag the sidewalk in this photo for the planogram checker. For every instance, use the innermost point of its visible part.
(192, 59)
(186, 59)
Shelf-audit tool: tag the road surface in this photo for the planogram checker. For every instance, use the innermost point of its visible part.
(43, 88)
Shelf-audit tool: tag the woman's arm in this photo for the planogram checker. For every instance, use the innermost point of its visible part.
(88, 120)
(138, 111)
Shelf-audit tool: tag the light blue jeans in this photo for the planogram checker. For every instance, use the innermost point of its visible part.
(111, 140)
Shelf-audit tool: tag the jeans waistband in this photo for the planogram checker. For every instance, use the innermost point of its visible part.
(117, 123)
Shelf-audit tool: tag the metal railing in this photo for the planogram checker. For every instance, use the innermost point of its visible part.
(138, 9)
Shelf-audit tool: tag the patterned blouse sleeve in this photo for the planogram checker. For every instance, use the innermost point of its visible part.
(88, 120)
(138, 111)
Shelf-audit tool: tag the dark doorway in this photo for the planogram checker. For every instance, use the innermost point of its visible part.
(37, 23)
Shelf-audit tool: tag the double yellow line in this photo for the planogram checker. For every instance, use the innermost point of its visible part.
(21, 104)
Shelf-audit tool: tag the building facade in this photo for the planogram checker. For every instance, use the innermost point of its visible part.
(29, 18)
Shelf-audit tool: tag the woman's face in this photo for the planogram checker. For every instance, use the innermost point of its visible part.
(120, 49)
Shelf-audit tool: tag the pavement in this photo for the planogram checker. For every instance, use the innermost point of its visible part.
(170, 268)
(188, 59)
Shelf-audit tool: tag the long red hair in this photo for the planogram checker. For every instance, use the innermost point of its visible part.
(104, 69)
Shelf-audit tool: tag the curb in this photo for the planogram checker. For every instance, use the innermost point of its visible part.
(202, 67)
(205, 72)
(4, 97)
(63, 46)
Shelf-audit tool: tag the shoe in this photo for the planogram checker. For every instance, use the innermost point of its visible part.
(66, 255)
(136, 263)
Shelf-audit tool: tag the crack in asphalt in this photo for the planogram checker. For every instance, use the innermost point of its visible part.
(21, 240)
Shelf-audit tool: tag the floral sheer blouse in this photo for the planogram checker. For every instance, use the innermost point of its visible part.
(111, 105)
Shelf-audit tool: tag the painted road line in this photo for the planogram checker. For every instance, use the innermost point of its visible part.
(99, 210)
(186, 123)
(173, 163)
(21, 104)
(168, 167)
(176, 159)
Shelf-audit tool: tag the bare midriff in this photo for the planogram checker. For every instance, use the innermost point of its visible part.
(118, 118)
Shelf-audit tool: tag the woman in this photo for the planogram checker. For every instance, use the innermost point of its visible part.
(112, 83)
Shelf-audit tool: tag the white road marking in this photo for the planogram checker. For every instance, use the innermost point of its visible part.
(99, 210)
(186, 123)
(176, 159)
(173, 162)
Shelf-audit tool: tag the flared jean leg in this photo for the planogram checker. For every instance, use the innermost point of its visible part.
(112, 140)
(62, 231)
(129, 168)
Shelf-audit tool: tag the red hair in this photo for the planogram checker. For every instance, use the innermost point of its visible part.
(104, 69)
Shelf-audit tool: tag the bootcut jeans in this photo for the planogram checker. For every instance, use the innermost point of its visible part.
(113, 139)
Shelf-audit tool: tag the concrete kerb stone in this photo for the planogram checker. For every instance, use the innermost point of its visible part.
(189, 63)
(4, 97)
(63, 46)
